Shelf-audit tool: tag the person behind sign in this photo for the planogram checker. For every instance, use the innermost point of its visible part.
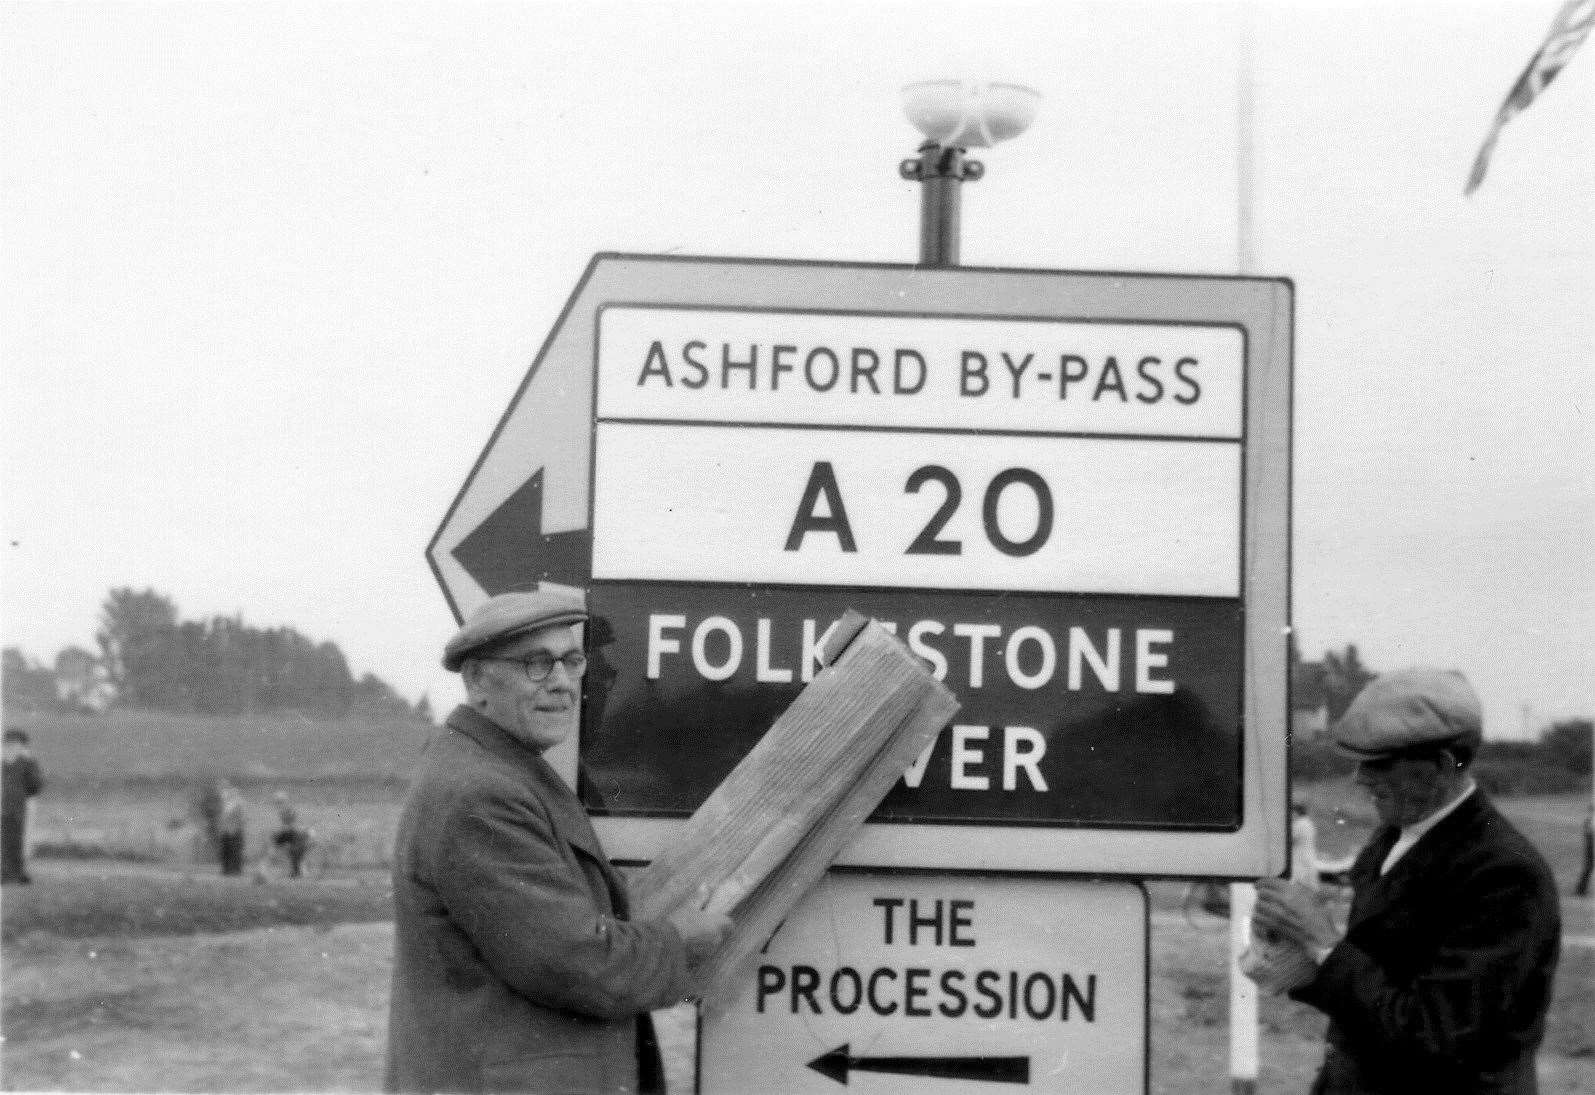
(230, 828)
(291, 838)
(1443, 975)
(1581, 888)
(1303, 846)
(22, 783)
(515, 965)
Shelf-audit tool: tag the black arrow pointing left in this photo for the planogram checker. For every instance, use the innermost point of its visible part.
(996, 1070)
(510, 551)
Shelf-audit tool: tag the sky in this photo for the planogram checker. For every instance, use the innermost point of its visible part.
(270, 275)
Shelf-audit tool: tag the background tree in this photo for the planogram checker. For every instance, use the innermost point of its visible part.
(27, 687)
(80, 684)
(222, 666)
(1343, 677)
(374, 696)
(1567, 744)
(1306, 680)
(142, 650)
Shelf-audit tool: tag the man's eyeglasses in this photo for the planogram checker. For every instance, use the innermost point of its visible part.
(539, 666)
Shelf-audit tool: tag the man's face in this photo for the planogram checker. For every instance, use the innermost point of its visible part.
(1404, 789)
(538, 714)
(13, 749)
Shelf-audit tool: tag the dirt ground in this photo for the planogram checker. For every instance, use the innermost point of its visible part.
(294, 1008)
(123, 978)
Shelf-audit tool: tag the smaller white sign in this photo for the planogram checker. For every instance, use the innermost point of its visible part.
(947, 372)
(923, 984)
(921, 510)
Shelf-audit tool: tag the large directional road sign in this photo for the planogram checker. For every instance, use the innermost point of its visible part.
(1067, 492)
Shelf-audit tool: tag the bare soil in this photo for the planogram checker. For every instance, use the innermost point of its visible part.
(123, 977)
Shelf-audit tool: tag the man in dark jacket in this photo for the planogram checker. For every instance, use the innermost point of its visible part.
(515, 965)
(22, 782)
(1443, 975)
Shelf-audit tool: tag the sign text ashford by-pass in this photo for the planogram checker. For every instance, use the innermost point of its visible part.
(906, 371)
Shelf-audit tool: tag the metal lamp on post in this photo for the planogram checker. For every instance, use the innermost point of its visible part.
(955, 116)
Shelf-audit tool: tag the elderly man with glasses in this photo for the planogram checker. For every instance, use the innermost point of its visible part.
(515, 965)
(1442, 977)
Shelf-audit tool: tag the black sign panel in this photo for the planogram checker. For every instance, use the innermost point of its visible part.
(1078, 709)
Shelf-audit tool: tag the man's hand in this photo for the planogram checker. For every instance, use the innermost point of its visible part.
(1291, 910)
(701, 931)
(1277, 966)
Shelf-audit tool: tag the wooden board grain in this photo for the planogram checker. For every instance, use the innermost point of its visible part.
(771, 828)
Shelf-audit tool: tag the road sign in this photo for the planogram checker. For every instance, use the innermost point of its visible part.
(1066, 491)
(933, 983)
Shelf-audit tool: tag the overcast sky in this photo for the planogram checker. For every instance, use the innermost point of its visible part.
(270, 274)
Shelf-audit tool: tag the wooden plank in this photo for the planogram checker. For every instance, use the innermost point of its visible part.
(762, 912)
(768, 832)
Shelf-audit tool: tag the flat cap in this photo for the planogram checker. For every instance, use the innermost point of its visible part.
(1411, 709)
(508, 616)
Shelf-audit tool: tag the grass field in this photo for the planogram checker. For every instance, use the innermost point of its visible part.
(123, 785)
(153, 821)
(131, 747)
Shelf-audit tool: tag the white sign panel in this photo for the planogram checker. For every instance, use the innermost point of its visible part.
(916, 510)
(926, 983)
(937, 372)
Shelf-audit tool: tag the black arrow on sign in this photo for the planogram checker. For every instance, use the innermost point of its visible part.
(996, 1070)
(510, 551)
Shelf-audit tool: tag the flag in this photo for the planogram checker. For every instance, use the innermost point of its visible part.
(1567, 33)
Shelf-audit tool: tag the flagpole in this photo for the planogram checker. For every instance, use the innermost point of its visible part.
(1243, 1032)
(1245, 102)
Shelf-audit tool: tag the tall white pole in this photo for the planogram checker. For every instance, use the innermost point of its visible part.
(1243, 1034)
(1243, 1039)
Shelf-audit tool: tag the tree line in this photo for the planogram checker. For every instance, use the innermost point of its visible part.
(1558, 762)
(148, 658)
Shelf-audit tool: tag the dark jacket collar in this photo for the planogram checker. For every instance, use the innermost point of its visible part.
(491, 736)
(556, 794)
(1377, 892)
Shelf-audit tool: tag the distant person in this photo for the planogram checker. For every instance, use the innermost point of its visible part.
(516, 967)
(22, 781)
(1582, 889)
(290, 838)
(230, 829)
(1442, 978)
(1303, 847)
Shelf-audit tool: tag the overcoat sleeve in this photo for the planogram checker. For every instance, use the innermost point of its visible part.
(1487, 956)
(504, 876)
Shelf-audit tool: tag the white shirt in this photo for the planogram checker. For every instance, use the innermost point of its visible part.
(1411, 834)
